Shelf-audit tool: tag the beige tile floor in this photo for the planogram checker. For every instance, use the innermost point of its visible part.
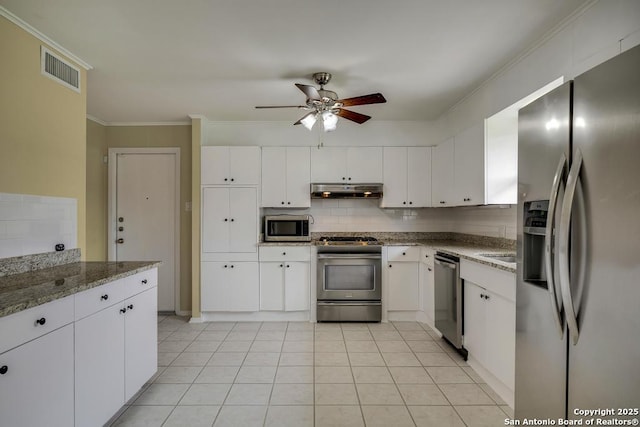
(304, 374)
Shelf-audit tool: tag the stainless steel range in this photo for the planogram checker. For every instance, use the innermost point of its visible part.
(349, 279)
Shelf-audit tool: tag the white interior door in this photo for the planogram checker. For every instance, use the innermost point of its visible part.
(145, 216)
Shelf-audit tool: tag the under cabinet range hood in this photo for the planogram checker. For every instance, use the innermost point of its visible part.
(346, 191)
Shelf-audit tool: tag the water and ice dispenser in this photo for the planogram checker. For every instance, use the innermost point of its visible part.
(535, 223)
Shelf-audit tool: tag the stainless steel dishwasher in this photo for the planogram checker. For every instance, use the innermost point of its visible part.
(448, 299)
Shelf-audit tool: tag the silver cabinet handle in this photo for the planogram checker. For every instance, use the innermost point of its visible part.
(548, 241)
(563, 241)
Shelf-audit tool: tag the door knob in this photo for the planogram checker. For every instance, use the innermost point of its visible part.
(4, 369)
(41, 321)
(121, 219)
(120, 240)
(120, 228)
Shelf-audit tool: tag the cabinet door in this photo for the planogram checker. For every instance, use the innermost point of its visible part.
(140, 340)
(402, 289)
(214, 166)
(230, 286)
(475, 321)
(243, 222)
(394, 177)
(215, 219)
(296, 286)
(364, 164)
(501, 338)
(427, 281)
(244, 165)
(99, 366)
(274, 177)
(419, 177)
(442, 174)
(298, 177)
(214, 281)
(272, 286)
(469, 166)
(329, 164)
(37, 389)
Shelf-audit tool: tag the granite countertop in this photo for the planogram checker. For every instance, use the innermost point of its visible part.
(29, 289)
(466, 250)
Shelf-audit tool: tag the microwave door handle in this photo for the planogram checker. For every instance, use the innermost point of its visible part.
(556, 308)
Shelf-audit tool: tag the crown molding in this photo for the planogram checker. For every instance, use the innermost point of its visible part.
(43, 38)
(176, 123)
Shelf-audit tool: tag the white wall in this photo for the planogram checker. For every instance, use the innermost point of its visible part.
(35, 224)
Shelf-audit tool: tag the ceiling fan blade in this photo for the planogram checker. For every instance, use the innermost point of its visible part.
(374, 98)
(310, 91)
(352, 115)
(282, 106)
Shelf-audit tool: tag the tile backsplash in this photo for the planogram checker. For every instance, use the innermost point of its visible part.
(35, 224)
(366, 216)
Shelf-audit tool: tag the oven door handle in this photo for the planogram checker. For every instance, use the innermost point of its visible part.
(349, 303)
(348, 256)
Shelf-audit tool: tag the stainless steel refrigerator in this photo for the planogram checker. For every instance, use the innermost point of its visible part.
(578, 279)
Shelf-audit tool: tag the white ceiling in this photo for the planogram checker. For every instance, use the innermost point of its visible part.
(160, 60)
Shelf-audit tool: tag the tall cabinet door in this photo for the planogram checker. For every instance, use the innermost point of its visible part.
(419, 177)
(395, 177)
(243, 221)
(140, 340)
(603, 363)
(99, 364)
(469, 166)
(215, 219)
(298, 177)
(442, 177)
(244, 165)
(274, 177)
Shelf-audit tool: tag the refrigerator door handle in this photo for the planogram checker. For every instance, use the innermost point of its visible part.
(565, 226)
(548, 240)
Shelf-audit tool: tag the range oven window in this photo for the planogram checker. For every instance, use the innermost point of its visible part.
(349, 277)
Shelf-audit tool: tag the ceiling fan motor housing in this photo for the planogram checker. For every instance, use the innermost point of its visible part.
(322, 78)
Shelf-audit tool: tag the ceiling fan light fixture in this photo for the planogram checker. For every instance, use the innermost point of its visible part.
(329, 120)
(309, 120)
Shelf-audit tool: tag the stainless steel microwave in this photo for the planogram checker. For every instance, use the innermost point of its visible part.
(286, 228)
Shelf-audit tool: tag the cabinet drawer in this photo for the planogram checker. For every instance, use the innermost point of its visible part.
(285, 253)
(18, 328)
(495, 280)
(93, 300)
(403, 253)
(140, 282)
(426, 256)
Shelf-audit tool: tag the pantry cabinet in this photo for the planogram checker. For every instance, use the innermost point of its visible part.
(224, 165)
(407, 177)
(229, 219)
(286, 177)
(229, 286)
(346, 164)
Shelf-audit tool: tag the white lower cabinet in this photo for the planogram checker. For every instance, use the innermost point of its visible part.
(489, 324)
(403, 288)
(427, 285)
(36, 382)
(284, 278)
(229, 286)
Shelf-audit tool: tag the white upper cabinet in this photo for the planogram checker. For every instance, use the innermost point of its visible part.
(286, 177)
(469, 166)
(442, 177)
(223, 165)
(349, 165)
(407, 177)
(229, 219)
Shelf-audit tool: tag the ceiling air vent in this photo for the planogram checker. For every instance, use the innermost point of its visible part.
(59, 70)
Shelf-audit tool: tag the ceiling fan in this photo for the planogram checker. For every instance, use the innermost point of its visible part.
(325, 104)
